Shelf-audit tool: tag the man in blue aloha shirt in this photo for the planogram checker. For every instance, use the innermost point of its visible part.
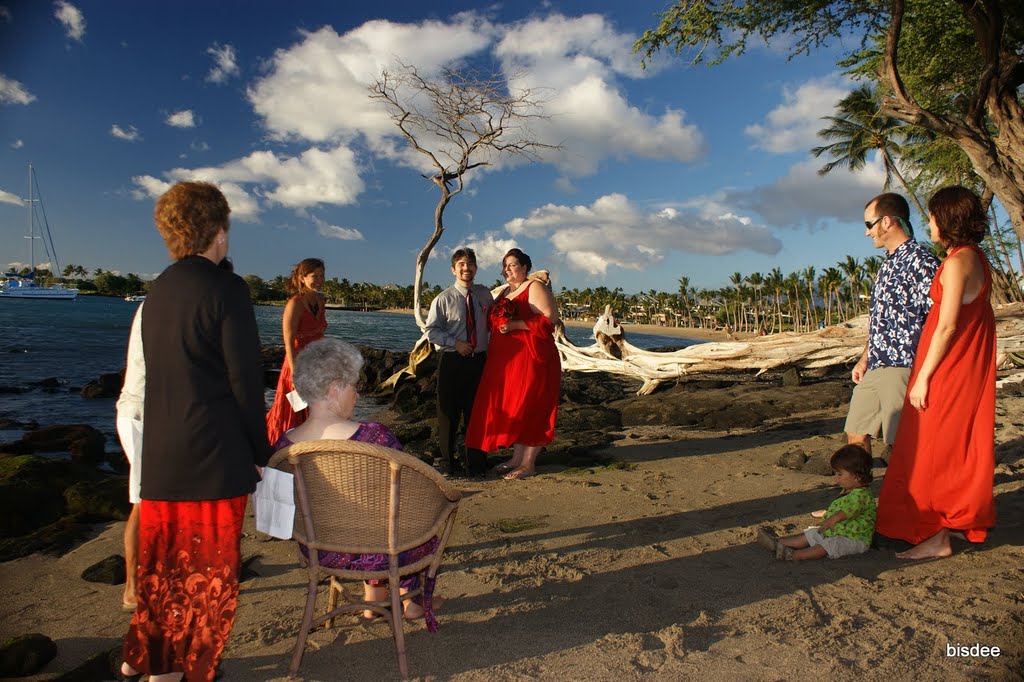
(899, 305)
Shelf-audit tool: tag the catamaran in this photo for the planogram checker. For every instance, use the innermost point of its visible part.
(24, 286)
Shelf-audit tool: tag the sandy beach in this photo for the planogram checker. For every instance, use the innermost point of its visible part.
(647, 572)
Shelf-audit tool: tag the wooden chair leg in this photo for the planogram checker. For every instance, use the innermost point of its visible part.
(332, 600)
(307, 622)
(397, 621)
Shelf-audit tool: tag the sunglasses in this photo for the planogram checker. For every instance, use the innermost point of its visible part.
(868, 225)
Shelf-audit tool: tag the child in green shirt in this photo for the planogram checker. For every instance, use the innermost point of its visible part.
(849, 522)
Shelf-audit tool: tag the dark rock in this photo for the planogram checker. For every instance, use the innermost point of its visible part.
(26, 655)
(791, 377)
(793, 459)
(110, 571)
(31, 492)
(818, 464)
(105, 386)
(49, 382)
(81, 440)
(103, 500)
(13, 390)
(592, 388)
(248, 572)
(55, 538)
(100, 666)
(575, 418)
(744, 405)
(412, 432)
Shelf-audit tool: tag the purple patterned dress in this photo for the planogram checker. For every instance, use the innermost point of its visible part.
(378, 434)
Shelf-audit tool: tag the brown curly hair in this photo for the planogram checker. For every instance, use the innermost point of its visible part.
(189, 215)
(855, 459)
(301, 269)
(959, 216)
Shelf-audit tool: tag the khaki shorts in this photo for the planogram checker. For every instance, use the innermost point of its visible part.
(877, 403)
(836, 546)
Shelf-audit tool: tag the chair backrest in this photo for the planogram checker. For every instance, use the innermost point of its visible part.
(362, 498)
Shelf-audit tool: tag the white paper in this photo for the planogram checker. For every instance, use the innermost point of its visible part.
(274, 503)
(296, 401)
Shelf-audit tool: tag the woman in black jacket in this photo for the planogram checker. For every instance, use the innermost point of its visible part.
(204, 443)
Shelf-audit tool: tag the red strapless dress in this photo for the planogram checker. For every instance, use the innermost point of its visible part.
(281, 416)
(943, 462)
(517, 401)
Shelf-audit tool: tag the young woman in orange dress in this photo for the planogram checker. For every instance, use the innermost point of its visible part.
(304, 321)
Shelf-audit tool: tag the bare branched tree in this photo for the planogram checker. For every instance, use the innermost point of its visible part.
(459, 120)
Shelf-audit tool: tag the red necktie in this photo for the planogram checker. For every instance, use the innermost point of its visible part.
(470, 321)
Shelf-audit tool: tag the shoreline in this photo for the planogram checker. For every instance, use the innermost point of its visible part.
(692, 333)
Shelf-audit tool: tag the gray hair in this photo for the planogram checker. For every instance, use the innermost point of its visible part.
(323, 363)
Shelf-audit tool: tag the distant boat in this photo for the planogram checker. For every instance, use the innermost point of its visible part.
(24, 286)
(135, 298)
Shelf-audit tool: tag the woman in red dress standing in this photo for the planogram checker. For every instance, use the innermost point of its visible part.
(939, 480)
(304, 321)
(517, 401)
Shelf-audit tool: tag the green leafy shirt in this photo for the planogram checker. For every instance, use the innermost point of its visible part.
(860, 509)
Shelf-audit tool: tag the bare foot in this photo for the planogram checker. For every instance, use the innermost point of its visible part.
(413, 610)
(503, 469)
(935, 547)
(518, 474)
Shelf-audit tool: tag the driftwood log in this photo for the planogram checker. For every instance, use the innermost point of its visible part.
(835, 345)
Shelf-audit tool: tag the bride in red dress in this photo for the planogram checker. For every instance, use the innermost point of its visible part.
(939, 480)
(304, 321)
(517, 401)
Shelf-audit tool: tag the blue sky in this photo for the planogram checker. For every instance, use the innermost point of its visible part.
(676, 170)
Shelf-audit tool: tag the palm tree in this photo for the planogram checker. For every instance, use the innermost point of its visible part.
(776, 283)
(851, 268)
(859, 128)
(812, 307)
(756, 280)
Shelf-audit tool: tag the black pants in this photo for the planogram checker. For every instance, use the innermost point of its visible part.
(457, 381)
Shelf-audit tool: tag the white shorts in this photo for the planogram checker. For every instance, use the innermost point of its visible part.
(836, 546)
(129, 431)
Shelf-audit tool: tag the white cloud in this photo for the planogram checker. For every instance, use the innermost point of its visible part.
(8, 198)
(793, 125)
(325, 229)
(613, 231)
(317, 89)
(579, 59)
(263, 179)
(13, 92)
(17, 144)
(489, 249)
(129, 134)
(804, 199)
(72, 19)
(182, 119)
(224, 64)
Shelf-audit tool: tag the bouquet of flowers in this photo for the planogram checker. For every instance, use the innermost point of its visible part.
(503, 310)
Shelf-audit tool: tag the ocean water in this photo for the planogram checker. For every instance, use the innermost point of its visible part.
(74, 342)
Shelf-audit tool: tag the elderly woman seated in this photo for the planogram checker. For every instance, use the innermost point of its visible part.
(325, 375)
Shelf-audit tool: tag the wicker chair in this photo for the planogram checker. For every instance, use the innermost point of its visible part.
(360, 498)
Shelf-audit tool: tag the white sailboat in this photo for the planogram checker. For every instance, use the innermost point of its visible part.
(24, 286)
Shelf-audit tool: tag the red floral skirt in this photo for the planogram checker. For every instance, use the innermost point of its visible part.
(189, 561)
